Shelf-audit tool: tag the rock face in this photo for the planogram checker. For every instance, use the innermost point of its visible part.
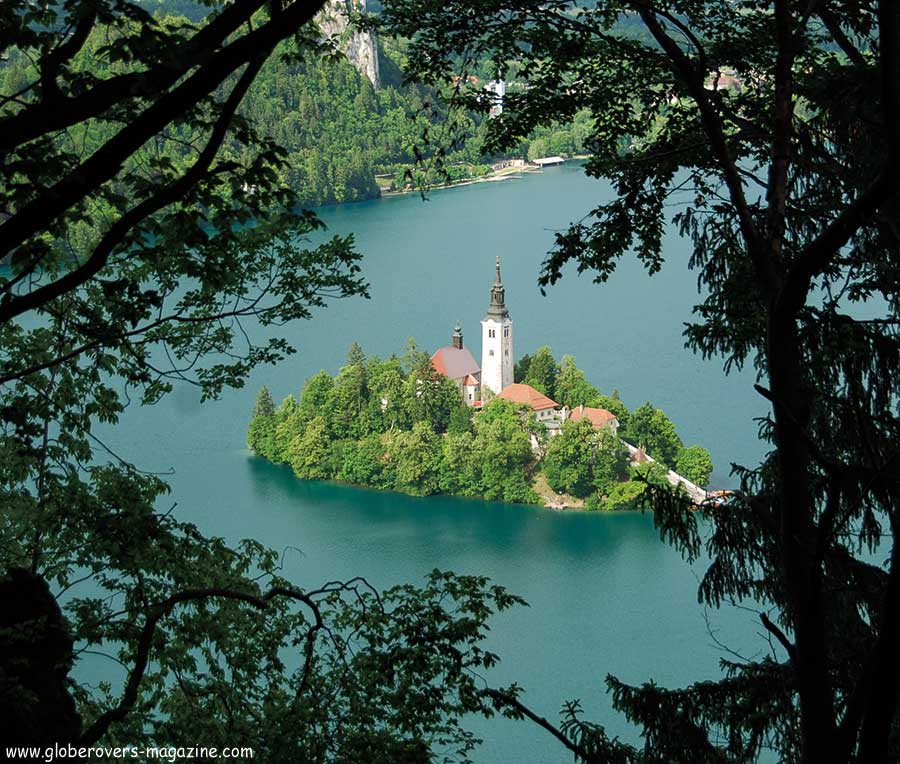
(359, 47)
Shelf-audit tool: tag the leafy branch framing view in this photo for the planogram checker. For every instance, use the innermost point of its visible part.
(130, 266)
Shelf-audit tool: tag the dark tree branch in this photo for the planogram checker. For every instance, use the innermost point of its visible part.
(45, 117)
(881, 698)
(776, 632)
(161, 610)
(51, 63)
(504, 699)
(820, 252)
(712, 124)
(833, 25)
(14, 306)
(106, 161)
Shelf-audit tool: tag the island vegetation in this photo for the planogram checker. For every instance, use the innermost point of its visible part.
(397, 424)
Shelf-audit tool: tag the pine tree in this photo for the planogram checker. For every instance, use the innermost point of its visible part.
(261, 432)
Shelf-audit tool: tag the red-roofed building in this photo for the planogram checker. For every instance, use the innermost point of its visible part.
(456, 362)
(521, 393)
(546, 409)
(599, 418)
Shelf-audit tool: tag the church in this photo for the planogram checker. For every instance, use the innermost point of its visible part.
(495, 375)
(496, 371)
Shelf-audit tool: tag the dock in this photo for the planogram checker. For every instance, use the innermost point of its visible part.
(548, 161)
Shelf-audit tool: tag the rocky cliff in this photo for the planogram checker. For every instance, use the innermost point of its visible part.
(359, 47)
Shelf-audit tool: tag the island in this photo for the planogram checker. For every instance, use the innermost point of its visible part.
(533, 431)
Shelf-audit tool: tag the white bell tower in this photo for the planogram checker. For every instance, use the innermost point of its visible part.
(497, 340)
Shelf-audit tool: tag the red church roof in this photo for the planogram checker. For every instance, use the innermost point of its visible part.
(599, 417)
(455, 363)
(519, 393)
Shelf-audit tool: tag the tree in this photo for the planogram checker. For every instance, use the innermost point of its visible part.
(611, 461)
(460, 420)
(427, 395)
(776, 126)
(695, 464)
(314, 397)
(308, 451)
(568, 464)
(503, 443)
(572, 388)
(386, 404)
(346, 404)
(261, 433)
(133, 256)
(542, 372)
(520, 370)
(414, 456)
(649, 428)
(582, 461)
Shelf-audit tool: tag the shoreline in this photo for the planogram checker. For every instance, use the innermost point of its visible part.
(507, 173)
(564, 504)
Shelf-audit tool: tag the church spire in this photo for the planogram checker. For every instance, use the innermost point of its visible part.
(456, 340)
(497, 307)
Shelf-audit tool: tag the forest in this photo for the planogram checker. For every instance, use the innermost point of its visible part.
(397, 424)
(336, 131)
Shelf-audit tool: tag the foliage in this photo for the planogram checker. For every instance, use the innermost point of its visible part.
(649, 428)
(586, 463)
(627, 495)
(568, 464)
(460, 420)
(147, 239)
(520, 369)
(407, 430)
(695, 464)
(261, 432)
(770, 132)
(572, 388)
(542, 372)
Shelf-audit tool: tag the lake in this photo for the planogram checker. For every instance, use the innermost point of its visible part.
(606, 596)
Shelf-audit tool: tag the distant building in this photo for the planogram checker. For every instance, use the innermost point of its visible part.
(497, 89)
(600, 418)
(545, 409)
(456, 362)
(548, 161)
(497, 339)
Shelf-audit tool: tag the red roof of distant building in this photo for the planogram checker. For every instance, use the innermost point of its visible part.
(599, 417)
(519, 393)
(470, 380)
(455, 363)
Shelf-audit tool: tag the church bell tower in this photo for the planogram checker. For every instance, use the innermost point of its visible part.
(497, 340)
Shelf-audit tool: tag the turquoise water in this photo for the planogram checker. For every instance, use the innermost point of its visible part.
(606, 595)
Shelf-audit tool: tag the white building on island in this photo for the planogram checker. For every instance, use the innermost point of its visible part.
(495, 375)
(497, 357)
